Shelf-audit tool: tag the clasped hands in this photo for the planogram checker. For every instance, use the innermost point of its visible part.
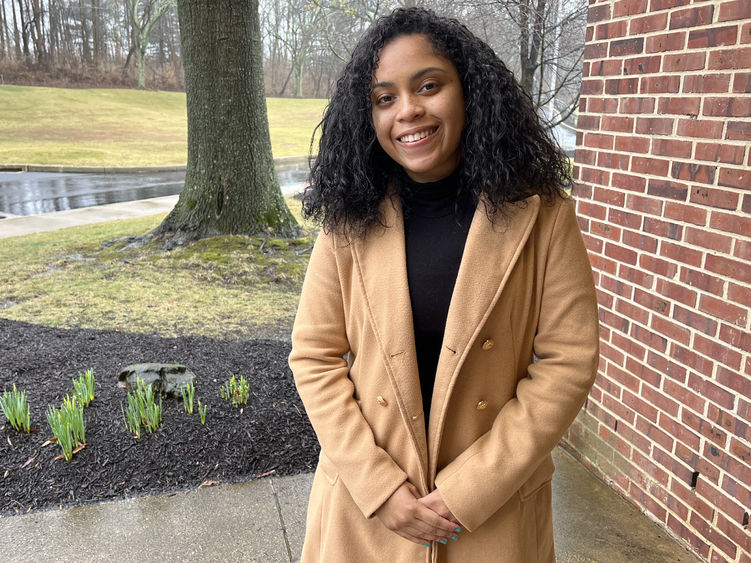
(418, 519)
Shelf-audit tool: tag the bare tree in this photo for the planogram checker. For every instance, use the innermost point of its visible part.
(143, 15)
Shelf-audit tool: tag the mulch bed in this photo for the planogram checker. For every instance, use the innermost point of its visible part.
(270, 436)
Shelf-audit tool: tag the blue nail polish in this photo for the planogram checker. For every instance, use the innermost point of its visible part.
(444, 542)
(426, 544)
(454, 538)
(458, 530)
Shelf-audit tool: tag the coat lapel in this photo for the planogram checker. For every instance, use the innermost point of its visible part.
(382, 267)
(489, 255)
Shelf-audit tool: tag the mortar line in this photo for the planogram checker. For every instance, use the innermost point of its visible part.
(281, 520)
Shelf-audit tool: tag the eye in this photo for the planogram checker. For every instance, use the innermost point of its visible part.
(428, 86)
(383, 99)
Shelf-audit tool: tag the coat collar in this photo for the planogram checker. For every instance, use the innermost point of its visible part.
(490, 252)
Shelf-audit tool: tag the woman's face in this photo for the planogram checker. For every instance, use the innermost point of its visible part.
(418, 108)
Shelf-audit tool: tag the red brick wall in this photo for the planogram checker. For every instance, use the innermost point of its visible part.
(664, 198)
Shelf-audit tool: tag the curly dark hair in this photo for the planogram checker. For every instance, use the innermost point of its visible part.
(507, 154)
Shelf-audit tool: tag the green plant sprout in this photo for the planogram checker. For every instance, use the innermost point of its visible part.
(84, 387)
(236, 391)
(202, 411)
(188, 393)
(16, 409)
(67, 425)
(142, 409)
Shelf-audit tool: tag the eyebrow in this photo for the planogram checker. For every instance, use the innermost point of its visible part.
(415, 76)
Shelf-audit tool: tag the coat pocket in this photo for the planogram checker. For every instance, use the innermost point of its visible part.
(541, 476)
(327, 468)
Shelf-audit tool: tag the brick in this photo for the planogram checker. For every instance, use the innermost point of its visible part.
(720, 352)
(628, 346)
(693, 172)
(592, 87)
(594, 176)
(676, 292)
(644, 373)
(662, 188)
(682, 491)
(598, 13)
(706, 388)
(617, 408)
(623, 378)
(654, 125)
(647, 24)
(722, 199)
(745, 38)
(746, 206)
(593, 245)
(633, 105)
(617, 286)
(691, 17)
(611, 30)
(620, 253)
(625, 47)
(660, 84)
(685, 213)
(727, 107)
(662, 228)
(654, 433)
(584, 156)
(640, 242)
(708, 240)
(604, 230)
(679, 106)
(730, 223)
(591, 209)
(609, 196)
(613, 160)
(680, 432)
(653, 166)
(735, 269)
(579, 190)
(723, 310)
(629, 8)
(684, 61)
(618, 123)
(742, 83)
(735, 382)
(602, 105)
(634, 275)
(695, 320)
(609, 318)
(621, 86)
(700, 128)
(703, 281)
(632, 144)
(598, 140)
(739, 131)
(631, 310)
(666, 367)
(605, 67)
(704, 427)
(681, 253)
(730, 59)
(735, 532)
(641, 65)
(589, 34)
(667, 4)
(605, 265)
(595, 51)
(672, 148)
(742, 250)
(666, 42)
(712, 37)
(683, 394)
(644, 204)
(728, 154)
(657, 265)
(628, 182)
(740, 294)
(713, 537)
(651, 301)
(706, 83)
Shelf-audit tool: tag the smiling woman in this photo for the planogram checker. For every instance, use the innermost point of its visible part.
(447, 328)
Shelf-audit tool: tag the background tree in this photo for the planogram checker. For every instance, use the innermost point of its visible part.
(143, 15)
(230, 184)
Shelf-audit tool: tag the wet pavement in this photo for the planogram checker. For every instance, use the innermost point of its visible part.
(264, 521)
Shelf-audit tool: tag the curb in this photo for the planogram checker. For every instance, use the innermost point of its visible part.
(281, 163)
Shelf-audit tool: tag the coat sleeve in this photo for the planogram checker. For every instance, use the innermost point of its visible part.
(319, 344)
(485, 476)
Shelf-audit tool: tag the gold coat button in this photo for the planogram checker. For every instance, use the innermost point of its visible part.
(488, 344)
(381, 401)
(482, 405)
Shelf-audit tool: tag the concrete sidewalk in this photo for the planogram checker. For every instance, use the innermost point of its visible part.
(264, 521)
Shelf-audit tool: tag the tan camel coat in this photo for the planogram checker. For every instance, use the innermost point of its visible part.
(519, 355)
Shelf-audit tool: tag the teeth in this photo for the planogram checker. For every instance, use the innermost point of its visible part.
(415, 137)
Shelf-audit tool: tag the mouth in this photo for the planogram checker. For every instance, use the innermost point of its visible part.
(414, 137)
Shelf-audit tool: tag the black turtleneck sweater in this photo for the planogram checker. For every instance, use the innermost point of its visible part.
(436, 224)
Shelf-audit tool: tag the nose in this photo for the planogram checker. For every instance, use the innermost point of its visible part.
(410, 108)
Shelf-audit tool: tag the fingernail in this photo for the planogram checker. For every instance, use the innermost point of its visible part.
(426, 544)
(444, 542)
(458, 530)
(454, 538)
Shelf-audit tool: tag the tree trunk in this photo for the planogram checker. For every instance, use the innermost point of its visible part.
(85, 48)
(39, 46)
(95, 33)
(230, 183)
(3, 32)
(16, 34)
(24, 32)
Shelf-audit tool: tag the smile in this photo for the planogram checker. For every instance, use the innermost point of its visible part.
(416, 136)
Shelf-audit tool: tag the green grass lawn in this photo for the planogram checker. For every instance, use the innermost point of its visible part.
(225, 287)
(123, 127)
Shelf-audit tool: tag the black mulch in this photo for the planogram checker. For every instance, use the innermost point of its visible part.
(271, 435)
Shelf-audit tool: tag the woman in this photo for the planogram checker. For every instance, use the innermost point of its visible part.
(447, 329)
